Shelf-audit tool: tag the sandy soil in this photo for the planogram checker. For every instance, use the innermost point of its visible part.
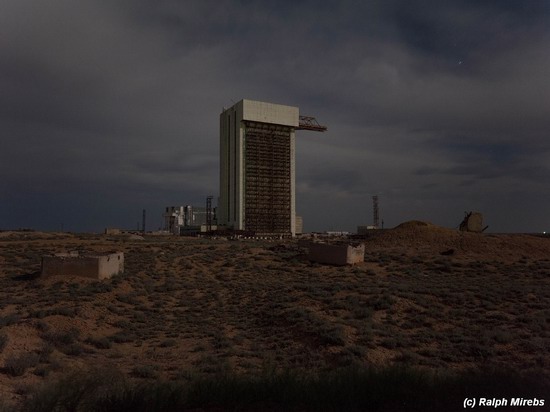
(187, 306)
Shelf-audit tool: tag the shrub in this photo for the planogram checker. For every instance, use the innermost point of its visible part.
(98, 287)
(41, 326)
(168, 343)
(61, 338)
(42, 371)
(74, 349)
(362, 312)
(389, 343)
(45, 352)
(63, 311)
(122, 337)
(82, 391)
(10, 319)
(354, 388)
(144, 371)
(331, 335)
(501, 336)
(17, 365)
(99, 343)
(383, 302)
(3, 341)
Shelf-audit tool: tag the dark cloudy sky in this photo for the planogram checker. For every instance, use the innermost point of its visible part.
(438, 107)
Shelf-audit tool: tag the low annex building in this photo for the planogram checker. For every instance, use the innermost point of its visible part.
(345, 254)
(95, 266)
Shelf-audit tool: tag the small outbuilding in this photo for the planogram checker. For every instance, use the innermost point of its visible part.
(96, 266)
(339, 254)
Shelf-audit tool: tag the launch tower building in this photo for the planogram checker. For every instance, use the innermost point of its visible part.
(257, 167)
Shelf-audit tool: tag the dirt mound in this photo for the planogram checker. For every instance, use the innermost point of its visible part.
(412, 224)
(423, 238)
(417, 237)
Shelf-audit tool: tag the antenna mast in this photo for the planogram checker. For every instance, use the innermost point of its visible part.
(375, 221)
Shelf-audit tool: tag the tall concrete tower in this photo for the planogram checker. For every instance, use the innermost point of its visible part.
(257, 168)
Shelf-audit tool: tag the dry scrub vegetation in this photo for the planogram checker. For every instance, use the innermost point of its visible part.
(189, 308)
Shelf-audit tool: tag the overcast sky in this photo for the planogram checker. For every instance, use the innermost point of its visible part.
(438, 107)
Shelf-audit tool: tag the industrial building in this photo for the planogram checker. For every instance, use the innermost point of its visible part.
(179, 218)
(257, 167)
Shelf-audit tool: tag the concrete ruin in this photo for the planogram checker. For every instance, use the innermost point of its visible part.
(344, 254)
(95, 266)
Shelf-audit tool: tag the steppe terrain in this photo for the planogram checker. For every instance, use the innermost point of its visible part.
(188, 307)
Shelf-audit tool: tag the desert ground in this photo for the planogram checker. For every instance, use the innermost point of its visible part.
(426, 297)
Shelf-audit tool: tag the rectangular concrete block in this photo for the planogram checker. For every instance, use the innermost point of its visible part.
(268, 112)
(336, 254)
(99, 266)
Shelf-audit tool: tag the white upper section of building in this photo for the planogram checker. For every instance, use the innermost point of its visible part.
(268, 113)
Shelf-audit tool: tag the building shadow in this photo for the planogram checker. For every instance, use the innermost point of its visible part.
(27, 276)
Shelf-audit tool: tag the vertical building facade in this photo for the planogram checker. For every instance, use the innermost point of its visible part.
(173, 218)
(257, 168)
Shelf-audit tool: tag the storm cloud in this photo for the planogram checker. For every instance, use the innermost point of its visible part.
(107, 108)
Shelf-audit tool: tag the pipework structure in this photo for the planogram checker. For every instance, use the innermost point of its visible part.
(257, 167)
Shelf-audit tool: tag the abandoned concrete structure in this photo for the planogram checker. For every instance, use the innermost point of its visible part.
(97, 266)
(336, 254)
